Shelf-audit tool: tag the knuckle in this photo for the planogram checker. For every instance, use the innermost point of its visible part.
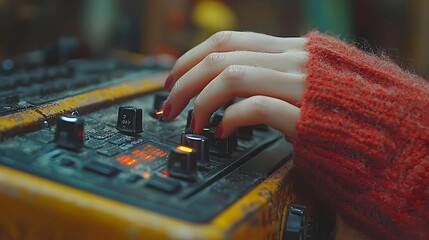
(213, 59)
(220, 39)
(259, 105)
(233, 75)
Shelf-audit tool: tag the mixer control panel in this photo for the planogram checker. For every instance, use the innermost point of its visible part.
(129, 153)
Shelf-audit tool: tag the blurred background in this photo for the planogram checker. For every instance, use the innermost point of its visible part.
(396, 28)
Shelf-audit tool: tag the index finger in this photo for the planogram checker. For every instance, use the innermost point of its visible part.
(226, 41)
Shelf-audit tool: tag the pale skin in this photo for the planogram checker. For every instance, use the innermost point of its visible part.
(268, 72)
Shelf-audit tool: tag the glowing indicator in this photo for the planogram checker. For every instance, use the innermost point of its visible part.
(127, 160)
(159, 112)
(165, 173)
(146, 175)
(184, 149)
(147, 153)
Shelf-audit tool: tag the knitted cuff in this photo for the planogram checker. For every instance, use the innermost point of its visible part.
(362, 139)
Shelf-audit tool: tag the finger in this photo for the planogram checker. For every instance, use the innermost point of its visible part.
(200, 75)
(246, 81)
(226, 41)
(276, 113)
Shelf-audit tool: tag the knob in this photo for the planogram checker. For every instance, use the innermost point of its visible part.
(130, 119)
(182, 163)
(201, 146)
(220, 147)
(158, 100)
(245, 132)
(188, 121)
(69, 132)
(296, 223)
(216, 119)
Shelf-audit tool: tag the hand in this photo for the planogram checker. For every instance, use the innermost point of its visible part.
(268, 71)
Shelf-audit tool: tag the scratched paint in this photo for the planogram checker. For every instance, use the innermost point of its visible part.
(32, 119)
(57, 211)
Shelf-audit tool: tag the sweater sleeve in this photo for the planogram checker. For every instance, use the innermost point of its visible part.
(362, 141)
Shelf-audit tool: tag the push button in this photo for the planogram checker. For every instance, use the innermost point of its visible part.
(69, 132)
(163, 184)
(102, 169)
(130, 119)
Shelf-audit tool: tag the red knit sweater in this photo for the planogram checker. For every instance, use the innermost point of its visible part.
(362, 140)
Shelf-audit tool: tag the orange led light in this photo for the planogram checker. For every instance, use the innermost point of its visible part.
(159, 112)
(127, 160)
(146, 175)
(184, 149)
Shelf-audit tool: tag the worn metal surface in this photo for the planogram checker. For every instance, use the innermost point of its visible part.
(36, 208)
(32, 119)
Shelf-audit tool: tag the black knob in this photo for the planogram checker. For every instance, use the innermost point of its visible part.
(189, 120)
(158, 100)
(296, 223)
(216, 119)
(220, 147)
(130, 119)
(69, 132)
(201, 146)
(182, 163)
(245, 132)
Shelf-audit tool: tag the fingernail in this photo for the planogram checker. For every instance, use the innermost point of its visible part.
(192, 122)
(168, 81)
(219, 130)
(166, 108)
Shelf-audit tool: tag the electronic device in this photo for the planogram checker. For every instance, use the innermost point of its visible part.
(86, 154)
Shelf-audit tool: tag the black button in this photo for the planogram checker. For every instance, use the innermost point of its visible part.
(163, 184)
(130, 119)
(67, 162)
(133, 178)
(102, 169)
(159, 99)
(69, 132)
(182, 163)
(245, 132)
(108, 151)
(201, 146)
(94, 144)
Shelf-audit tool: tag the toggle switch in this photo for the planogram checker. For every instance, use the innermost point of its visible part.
(69, 132)
(200, 144)
(182, 163)
(130, 119)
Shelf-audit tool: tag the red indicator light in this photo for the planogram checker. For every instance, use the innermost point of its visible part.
(165, 173)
